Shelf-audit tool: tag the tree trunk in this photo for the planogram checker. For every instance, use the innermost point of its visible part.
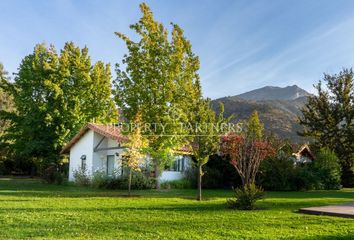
(130, 182)
(199, 197)
(157, 176)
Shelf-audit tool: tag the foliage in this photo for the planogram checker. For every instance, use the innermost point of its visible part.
(277, 173)
(81, 177)
(54, 96)
(139, 181)
(218, 174)
(176, 184)
(329, 118)
(6, 104)
(254, 128)
(99, 179)
(246, 197)
(206, 142)
(52, 175)
(158, 81)
(246, 151)
(327, 167)
(134, 155)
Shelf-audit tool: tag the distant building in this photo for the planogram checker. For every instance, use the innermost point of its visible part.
(304, 155)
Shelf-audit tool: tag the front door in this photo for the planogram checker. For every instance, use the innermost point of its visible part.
(110, 165)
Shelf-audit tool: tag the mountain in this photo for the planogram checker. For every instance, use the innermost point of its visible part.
(278, 108)
(275, 93)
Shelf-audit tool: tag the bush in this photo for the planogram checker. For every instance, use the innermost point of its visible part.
(305, 178)
(246, 197)
(81, 177)
(277, 174)
(139, 181)
(99, 179)
(218, 173)
(52, 175)
(328, 169)
(281, 174)
(176, 184)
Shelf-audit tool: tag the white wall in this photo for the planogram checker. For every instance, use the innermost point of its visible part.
(97, 161)
(83, 147)
(171, 175)
(174, 175)
(100, 157)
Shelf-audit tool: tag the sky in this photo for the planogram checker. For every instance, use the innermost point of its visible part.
(242, 44)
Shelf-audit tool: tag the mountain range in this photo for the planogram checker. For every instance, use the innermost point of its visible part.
(278, 109)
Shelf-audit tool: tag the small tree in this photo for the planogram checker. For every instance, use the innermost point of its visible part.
(247, 150)
(134, 152)
(207, 141)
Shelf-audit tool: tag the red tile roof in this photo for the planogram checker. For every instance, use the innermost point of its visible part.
(107, 130)
(111, 132)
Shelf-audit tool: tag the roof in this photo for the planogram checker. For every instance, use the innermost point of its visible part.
(107, 130)
(111, 132)
(305, 151)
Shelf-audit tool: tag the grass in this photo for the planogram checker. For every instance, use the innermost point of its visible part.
(30, 209)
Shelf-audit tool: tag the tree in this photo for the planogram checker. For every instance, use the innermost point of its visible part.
(55, 95)
(206, 128)
(254, 128)
(158, 81)
(328, 117)
(246, 151)
(134, 153)
(6, 104)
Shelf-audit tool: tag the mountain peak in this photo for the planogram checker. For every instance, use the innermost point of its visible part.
(275, 93)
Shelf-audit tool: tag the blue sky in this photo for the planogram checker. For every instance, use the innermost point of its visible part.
(242, 45)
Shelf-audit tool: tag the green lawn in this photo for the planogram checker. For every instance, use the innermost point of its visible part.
(30, 209)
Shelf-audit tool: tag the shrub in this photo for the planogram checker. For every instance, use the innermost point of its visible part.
(176, 184)
(328, 169)
(305, 178)
(99, 179)
(139, 181)
(218, 173)
(246, 197)
(52, 175)
(277, 173)
(81, 177)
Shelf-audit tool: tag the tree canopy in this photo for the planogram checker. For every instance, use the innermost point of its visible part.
(328, 117)
(158, 81)
(54, 96)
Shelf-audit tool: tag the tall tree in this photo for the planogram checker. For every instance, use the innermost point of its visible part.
(6, 104)
(206, 129)
(54, 95)
(158, 81)
(328, 117)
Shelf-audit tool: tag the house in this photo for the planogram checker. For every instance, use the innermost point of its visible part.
(304, 155)
(99, 147)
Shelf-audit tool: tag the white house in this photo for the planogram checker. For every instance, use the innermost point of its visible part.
(99, 147)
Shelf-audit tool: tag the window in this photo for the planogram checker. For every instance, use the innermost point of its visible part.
(110, 165)
(179, 164)
(83, 162)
